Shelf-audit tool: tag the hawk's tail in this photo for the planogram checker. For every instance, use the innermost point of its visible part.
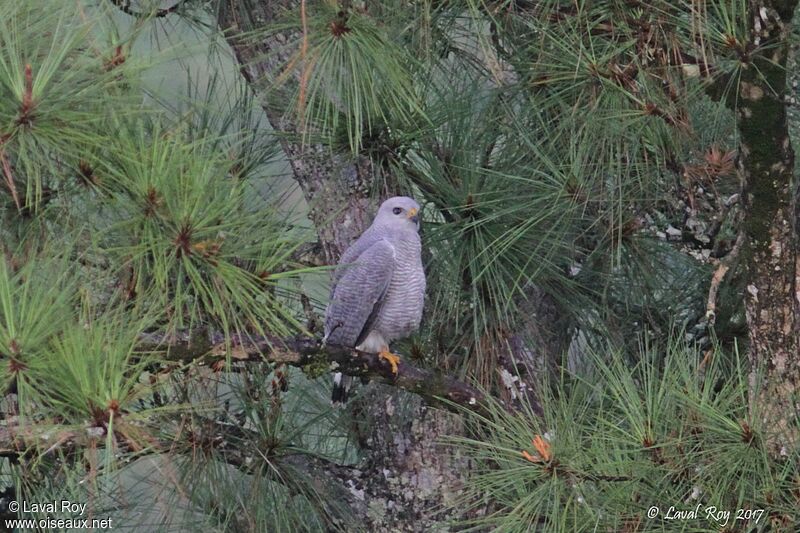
(341, 387)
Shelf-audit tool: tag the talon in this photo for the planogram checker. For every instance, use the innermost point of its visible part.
(392, 358)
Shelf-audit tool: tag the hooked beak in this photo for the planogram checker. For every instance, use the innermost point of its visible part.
(413, 215)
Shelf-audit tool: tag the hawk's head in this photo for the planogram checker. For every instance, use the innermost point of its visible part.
(400, 212)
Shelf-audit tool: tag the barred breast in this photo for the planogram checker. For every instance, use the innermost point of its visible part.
(401, 311)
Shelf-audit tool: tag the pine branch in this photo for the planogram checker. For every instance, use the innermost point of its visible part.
(300, 473)
(9, 177)
(310, 353)
(125, 7)
(323, 476)
(719, 274)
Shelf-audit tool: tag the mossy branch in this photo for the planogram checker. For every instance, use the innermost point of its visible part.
(312, 355)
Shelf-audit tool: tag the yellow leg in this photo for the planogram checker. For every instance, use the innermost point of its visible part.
(389, 356)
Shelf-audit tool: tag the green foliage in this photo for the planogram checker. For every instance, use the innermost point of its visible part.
(675, 429)
(126, 217)
(90, 372)
(35, 305)
(57, 86)
(354, 79)
(280, 431)
(186, 237)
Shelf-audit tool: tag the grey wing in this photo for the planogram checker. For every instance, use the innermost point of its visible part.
(358, 294)
(354, 251)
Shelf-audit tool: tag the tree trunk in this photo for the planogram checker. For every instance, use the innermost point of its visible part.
(767, 162)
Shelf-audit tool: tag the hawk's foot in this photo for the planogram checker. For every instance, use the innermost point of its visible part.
(392, 358)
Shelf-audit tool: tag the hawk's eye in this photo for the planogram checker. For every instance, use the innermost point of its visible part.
(397, 210)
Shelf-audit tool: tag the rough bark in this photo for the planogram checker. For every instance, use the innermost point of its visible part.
(767, 163)
(411, 477)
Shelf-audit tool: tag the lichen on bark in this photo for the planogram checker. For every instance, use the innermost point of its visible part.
(770, 252)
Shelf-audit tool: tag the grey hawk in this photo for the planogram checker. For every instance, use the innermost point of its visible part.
(378, 289)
